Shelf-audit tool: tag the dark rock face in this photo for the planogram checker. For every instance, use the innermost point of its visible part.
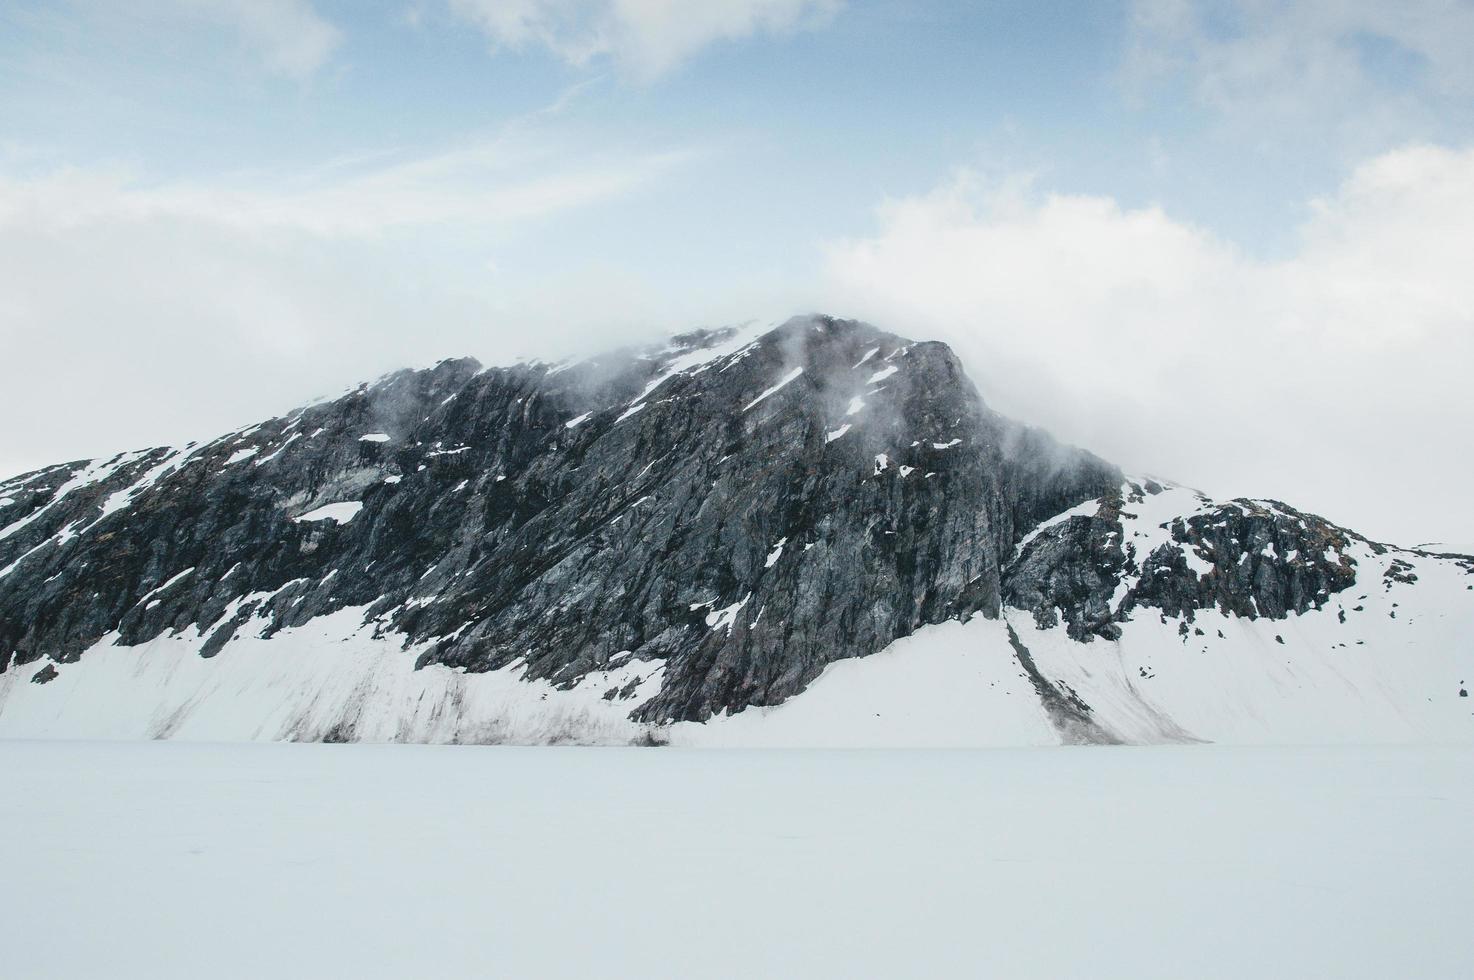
(744, 513)
(1267, 561)
(1248, 558)
(739, 511)
(1071, 569)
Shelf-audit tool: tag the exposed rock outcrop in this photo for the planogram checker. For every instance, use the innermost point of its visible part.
(742, 511)
(665, 535)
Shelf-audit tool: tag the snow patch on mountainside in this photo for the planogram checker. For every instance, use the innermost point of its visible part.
(1391, 658)
(85, 474)
(782, 383)
(328, 680)
(701, 358)
(1373, 679)
(339, 513)
(955, 684)
(1391, 672)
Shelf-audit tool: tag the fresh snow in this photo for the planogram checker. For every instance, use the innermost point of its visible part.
(882, 374)
(160, 590)
(940, 687)
(1448, 547)
(241, 455)
(61, 537)
(693, 362)
(1196, 563)
(1400, 683)
(790, 376)
(856, 404)
(1389, 671)
(280, 449)
(341, 513)
(722, 619)
(93, 471)
(159, 859)
(1087, 509)
(122, 498)
(329, 674)
(1372, 678)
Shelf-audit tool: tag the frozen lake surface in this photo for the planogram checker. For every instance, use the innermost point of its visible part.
(269, 860)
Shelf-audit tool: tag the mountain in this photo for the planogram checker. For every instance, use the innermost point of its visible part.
(819, 534)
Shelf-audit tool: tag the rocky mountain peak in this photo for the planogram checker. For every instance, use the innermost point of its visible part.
(698, 527)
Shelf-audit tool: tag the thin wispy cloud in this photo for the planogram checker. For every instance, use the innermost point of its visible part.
(288, 37)
(312, 193)
(1357, 68)
(303, 280)
(644, 37)
(497, 182)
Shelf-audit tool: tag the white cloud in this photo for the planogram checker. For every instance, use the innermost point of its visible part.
(135, 314)
(646, 37)
(1335, 378)
(1361, 69)
(495, 182)
(289, 37)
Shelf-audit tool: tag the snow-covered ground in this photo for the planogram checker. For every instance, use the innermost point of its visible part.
(1383, 662)
(172, 859)
(328, 680)
(1388, 660)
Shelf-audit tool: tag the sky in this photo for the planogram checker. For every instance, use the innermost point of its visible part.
(1227, 243)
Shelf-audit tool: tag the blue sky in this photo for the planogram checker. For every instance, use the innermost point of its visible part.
(1100, 205)
(858, 101)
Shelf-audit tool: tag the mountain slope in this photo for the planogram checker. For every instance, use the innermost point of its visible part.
(1386, 659)
(615, 549)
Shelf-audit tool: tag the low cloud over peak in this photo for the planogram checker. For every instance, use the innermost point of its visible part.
(1334, 375)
